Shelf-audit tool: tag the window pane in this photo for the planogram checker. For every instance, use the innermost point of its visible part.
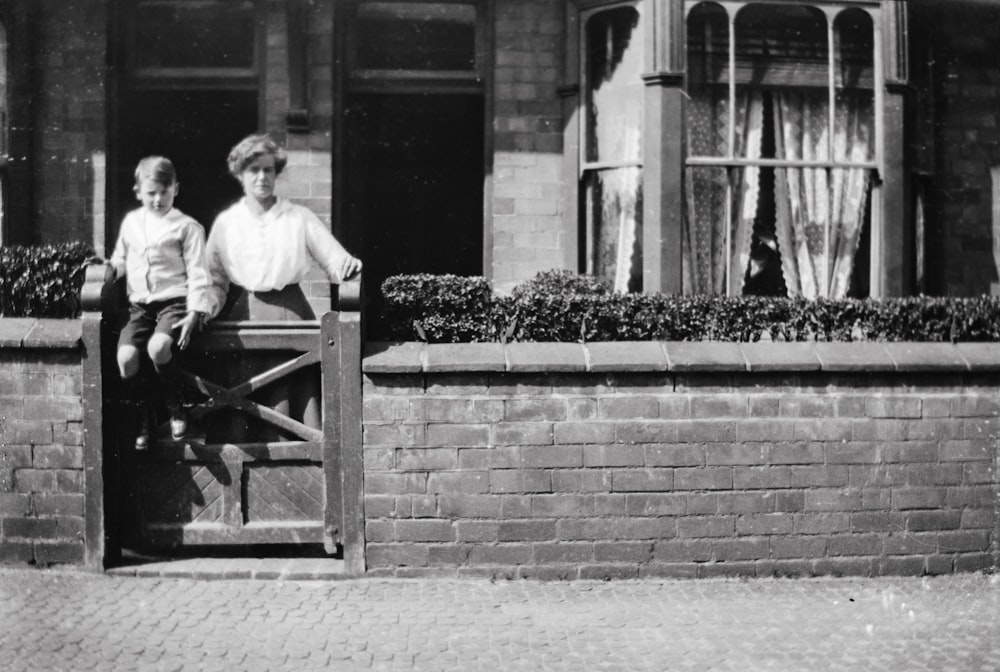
(614, 87)
(854, 123)
(781, 46)
(801, 125)
(614, 217)
(708, 68)
(820, 218)
(194, 35)
(432, 36)
(855, 52)
(705, 236)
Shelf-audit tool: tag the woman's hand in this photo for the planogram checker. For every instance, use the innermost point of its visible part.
(191, 323)
(349, 267)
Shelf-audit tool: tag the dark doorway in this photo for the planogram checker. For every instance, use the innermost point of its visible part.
(414, 179)
(195, 129)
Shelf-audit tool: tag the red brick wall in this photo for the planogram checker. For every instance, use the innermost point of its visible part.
(41, 457)
(692, 475)
(527, 208)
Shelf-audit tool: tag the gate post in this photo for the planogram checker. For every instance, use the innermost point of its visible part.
(342, 448)
(92, 300)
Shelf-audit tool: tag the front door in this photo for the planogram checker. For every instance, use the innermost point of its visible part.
(188, 89)
(412, 155)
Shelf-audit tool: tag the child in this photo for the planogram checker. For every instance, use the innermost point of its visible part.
(161, 251)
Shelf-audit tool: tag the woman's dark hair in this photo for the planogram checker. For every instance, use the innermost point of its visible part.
(252, 147)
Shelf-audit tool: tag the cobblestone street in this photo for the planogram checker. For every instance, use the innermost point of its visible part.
(64, 620)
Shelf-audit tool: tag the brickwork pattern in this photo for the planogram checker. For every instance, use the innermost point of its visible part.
(688, 475)
(308, 177)
(964, 122)
(70, 120)
(41, 457)
(527, 209)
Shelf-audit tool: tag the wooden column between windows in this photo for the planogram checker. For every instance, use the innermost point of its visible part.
(572, 251)
(896, 248)
(663, 202)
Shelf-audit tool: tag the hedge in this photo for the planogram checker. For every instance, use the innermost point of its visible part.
(42, 280)
(562, 306)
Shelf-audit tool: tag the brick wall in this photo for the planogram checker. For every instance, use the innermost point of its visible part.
(308, 178)
(694, 474)
(68, 134)
(41, 457)
(961, 135)
(527, 209)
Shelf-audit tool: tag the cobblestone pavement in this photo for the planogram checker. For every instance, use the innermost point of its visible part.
(60, 620)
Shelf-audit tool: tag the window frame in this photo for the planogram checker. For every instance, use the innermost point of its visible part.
(195, 77)
(831, 10)
(585, 166)
(388, 80)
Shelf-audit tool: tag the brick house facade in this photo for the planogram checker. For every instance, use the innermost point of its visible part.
(77, 80)
(454, 137)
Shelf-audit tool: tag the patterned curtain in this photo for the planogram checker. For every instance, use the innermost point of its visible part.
(820, 211)
(708, 221)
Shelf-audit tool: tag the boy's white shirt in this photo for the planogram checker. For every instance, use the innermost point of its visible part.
(162, 258)
(268, 252)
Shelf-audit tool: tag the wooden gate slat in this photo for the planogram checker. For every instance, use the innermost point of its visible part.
(221, 397)
(309, 451)
(271, 375)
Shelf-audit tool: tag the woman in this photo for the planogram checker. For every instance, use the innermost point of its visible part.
(257, 253)
(259, 249)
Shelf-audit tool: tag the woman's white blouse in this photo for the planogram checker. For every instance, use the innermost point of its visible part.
(268, 252)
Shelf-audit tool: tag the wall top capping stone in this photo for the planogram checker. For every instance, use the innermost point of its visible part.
(413, 357)
(29, 332)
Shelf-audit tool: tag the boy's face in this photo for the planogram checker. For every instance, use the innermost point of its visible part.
(156, 196)
(258, 178)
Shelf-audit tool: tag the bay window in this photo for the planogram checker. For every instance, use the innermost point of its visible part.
(741, 147)
(612, 143)
(781, 149)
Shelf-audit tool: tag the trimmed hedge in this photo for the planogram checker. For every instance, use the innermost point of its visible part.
(42, 280)
(562, 306)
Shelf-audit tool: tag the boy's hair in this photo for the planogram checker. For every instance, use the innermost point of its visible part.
(252, 147)
(159, 169)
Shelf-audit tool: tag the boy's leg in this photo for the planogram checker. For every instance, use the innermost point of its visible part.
(133, 337)
(161, 353)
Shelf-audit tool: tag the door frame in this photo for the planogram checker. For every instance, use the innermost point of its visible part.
(348, 231)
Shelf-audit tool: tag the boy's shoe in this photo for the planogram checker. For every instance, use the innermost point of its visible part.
(142, 436)
(178, 424)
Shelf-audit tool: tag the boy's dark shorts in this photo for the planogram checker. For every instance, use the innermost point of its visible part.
(146, 319)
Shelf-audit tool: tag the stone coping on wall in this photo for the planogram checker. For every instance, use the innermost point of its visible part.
(30, 332)
(678, 356)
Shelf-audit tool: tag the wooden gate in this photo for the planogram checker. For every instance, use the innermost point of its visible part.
(273, 451)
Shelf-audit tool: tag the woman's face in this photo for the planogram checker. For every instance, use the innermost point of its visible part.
(258, 178)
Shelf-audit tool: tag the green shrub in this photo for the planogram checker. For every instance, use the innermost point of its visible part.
(561, 306)
(561, 282)
(438, 308)
(42, 280)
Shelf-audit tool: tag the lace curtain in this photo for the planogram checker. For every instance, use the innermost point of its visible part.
(820, 212)
(711, 224)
